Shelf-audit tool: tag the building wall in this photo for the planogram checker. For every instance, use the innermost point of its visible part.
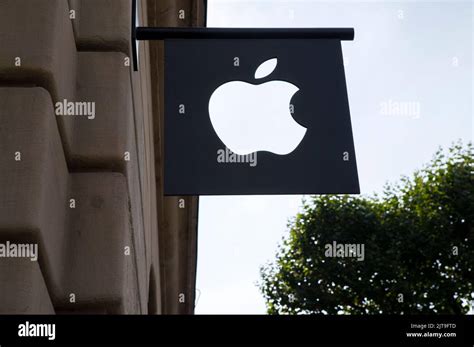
(177, 235)
(89, 191)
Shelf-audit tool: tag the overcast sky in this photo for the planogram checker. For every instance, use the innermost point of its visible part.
(417, 54)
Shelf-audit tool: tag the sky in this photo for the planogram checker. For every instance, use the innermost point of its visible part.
(410, 87)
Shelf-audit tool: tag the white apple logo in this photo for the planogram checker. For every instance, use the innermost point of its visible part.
(250, 118)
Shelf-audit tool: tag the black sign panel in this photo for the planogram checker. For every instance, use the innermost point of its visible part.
(266, 116)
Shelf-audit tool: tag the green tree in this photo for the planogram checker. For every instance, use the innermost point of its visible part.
(418, 241)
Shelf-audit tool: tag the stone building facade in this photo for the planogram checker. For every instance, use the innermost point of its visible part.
(81, 162)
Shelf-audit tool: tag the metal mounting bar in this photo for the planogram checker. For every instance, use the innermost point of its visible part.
(133, 33)
(151, 33)
(147, 33)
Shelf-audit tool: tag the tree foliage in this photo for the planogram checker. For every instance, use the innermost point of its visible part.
(419, 250)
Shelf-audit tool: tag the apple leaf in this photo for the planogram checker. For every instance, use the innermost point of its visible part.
(266, 68)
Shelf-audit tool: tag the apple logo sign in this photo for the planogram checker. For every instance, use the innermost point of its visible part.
(256, 117)
(229, 126)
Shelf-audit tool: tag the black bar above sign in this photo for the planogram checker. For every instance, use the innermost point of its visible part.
(148, 33)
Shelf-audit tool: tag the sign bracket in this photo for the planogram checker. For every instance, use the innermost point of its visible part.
(155, 33)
